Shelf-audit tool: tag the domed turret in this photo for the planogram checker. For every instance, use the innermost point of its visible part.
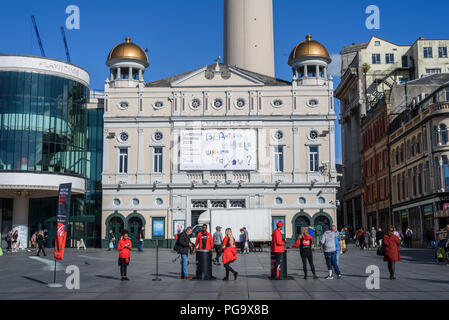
(127, 61)
(309, 59)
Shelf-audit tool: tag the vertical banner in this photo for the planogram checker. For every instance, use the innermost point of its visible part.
(62, 219)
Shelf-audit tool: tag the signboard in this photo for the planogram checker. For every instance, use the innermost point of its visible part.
(275, 222)
(158, 227)
(445, 206)
(62, 219)
(227, 149)
(428, 210)
(178, 226)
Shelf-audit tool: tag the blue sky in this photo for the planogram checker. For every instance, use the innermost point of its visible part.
(184, 35)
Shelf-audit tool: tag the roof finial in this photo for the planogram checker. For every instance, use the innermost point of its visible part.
(309, 37)
(127, 39)
(217, 67)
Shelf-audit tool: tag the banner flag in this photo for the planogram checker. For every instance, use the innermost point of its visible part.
(62, 219)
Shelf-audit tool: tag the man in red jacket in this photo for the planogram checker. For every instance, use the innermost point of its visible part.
(277, 249)
(204, 240)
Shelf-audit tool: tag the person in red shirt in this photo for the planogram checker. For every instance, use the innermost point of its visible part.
(124, 248)
(229, 254)
(204, 240)
(277, 249)
(391, 245)
(305, 244)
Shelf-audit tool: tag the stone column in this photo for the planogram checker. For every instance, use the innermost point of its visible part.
(296, 147)
(119, 74)
(140, 151)
(20, 218)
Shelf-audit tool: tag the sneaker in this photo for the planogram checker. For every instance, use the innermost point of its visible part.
(305, 277)
(126, 278)
(315, 276)
(235, 275)
(338, 276)
(225, 279)
(188, 278)
(329, 278)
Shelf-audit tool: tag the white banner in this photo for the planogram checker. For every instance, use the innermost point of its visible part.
(227, 149)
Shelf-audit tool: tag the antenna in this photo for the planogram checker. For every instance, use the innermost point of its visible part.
(37, 35)
(65, 45)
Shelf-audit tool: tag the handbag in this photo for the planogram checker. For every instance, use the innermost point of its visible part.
(1, 252)
(380, 251)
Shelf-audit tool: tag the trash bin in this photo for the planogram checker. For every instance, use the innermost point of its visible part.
(204, 265)
(283, 266)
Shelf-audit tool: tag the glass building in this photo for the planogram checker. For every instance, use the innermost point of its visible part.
(48, 136)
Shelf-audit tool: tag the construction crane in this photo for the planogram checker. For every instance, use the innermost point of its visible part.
(38, 36)
(65, 44)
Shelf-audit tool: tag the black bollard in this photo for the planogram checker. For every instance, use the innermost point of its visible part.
(157, 262)
(283, 274)
(204, 265)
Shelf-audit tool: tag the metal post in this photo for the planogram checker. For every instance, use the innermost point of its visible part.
(157, 262)
(54, 284)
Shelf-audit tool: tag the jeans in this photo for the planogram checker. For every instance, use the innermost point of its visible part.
(337, 256)
(331, 261)
(217, 248)
(140, 245)
(184, 261)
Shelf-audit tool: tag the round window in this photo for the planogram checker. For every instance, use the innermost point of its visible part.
(136, 201)
(313, 135)
(159, 201)
(278, 135)
(312, 103)
(123, 136)
(123, 105)
(302, 200)
(217, 104)
(158, 136)
(116, 202)
(321, 200)
(158, 105)
(195, 104)
(279, 200)
(277, 103)
(240, 103)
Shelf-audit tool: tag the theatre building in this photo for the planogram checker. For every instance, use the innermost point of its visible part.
(225, 135)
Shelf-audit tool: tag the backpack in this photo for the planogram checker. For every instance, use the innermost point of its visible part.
(408, 233)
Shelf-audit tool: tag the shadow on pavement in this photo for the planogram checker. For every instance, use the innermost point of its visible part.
(35, 280)
(108, 277)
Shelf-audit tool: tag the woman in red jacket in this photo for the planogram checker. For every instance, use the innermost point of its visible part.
(391, 245)
(229, 254)
(305, 244)
(124, 248)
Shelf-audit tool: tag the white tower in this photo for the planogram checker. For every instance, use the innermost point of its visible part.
(248, 35)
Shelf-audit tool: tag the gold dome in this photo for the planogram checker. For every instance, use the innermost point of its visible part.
(309, 48)
(128, 50)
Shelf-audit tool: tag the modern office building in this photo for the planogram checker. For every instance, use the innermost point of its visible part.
(46, 138)
(220, 136)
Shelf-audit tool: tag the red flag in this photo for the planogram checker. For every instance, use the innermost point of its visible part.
(62, 219)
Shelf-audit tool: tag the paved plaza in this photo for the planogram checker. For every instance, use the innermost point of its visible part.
(24, 276)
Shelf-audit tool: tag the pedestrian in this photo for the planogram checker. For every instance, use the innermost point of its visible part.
(338, 246)
(373, 237)
(229, 254)
(379, 236)
(277, 250)
(183, 246)
(246, 247)
(34, 240)
(9, 241)
(440, 252)
(141, 238)
(242, 240)
(391, 245)
(41, 243)
(305, 244)
(124, 248)
(361, 237)
(218, 244)
(204, 240)
(408, 237)
(330, 252)
(111, 239)
(15, 241)
(398, 233)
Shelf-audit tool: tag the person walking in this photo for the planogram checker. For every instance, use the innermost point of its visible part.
(305, 244)
(338, 246)
(41, 243)
(15, 241)
(391, 245)
(124, 248)
(398, 233)
(246, 246)
(183, 246)
(218, 244)
(9, 241)
(34, 240)
(330, 252)
(379, 236)
(229, 254)
(277, 249)
(408, 237)
(141, 238)
(373, 234)
(111, 239)
(242, 240)
(360, 235)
